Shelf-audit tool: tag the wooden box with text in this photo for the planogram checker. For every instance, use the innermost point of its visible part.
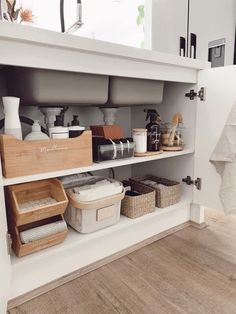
(22, 158)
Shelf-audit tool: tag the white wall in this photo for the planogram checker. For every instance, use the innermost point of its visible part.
(108, 20)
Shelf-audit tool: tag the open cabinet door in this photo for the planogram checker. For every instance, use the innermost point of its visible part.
(212, 114)
(5, 264)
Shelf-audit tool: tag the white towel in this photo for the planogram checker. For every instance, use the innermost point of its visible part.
(96, 191)
(223, 158)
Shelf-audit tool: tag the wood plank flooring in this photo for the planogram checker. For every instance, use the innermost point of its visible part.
(192, 271)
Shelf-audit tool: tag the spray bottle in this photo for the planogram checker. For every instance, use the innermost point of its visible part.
(153, 130)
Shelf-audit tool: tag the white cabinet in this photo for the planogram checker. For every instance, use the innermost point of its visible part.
(206, 20)
(204, 120)
(210, 21)
(169, 23)
(5, 265)
(211, 117)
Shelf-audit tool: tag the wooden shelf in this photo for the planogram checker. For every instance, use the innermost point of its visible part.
(95, 167)
(80, 250)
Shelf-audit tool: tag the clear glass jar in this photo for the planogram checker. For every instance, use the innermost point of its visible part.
(172, 136)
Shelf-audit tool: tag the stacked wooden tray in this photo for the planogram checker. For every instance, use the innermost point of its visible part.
(20, 220)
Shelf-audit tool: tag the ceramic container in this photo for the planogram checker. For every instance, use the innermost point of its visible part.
(75, 130)
(140, 139)
(12, 125)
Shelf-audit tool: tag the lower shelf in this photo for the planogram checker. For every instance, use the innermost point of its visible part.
(80, 250)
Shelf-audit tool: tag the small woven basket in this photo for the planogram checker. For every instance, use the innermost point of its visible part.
(136, 206)
(165, 196)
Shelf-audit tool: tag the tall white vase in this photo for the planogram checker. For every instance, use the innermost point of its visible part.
(12, 125)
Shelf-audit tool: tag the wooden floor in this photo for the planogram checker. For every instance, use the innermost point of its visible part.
(192, 271)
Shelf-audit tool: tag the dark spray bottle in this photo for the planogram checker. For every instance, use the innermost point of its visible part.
(153, 130)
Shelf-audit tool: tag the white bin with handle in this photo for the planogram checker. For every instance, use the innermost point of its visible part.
(90, 216)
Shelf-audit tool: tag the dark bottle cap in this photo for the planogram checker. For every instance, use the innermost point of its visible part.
(59, 121)
(153, 115)
(75, 120)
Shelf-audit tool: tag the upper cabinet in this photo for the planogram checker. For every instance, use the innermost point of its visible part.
(169, 26)
(213, 24)
(202, 29)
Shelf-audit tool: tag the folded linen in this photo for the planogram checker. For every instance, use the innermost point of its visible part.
(99, 192)
(37, 203)
(38, 233)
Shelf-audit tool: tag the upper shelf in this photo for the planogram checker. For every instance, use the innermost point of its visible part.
(32, 47)
(95, 167)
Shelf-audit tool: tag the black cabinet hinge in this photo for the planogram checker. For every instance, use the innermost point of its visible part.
(189, 181)
(201, 94)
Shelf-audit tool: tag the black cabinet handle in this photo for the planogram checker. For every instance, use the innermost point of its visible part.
(182, 47)
(193, 45)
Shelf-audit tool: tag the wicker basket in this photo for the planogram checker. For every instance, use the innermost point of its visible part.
(136, 206)
(165, 196)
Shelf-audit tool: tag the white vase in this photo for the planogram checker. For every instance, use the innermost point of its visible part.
(12, 125)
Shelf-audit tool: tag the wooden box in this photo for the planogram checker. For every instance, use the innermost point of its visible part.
(34, 191)
(21, 158)
(21, 249)
(107, 131)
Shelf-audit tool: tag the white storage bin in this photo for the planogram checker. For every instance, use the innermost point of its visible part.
(86, 217)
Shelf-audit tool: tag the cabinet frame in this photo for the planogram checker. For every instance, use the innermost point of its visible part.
(50, 50)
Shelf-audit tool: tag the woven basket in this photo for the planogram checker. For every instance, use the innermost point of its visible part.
(136, 206)
(166, 196)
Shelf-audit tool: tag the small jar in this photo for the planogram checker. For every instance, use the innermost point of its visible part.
(172, 135)
(75, 130)
(140, 139)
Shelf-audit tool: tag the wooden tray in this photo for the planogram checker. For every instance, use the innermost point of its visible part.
(21, 193)
(147, 154)
(22, 158)
(172, 148)
(28, 248)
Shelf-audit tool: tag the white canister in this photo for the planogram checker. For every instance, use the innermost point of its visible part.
(140, 139)
(59, 132)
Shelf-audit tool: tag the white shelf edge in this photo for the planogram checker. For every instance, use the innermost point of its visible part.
(43, 37)
(94, 167)
(79, 250)
(75, 238)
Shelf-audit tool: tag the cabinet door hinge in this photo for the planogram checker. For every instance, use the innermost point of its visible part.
(189, 181)
(9, 243)
(201, 94)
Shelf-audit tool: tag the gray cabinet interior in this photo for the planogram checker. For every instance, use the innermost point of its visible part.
(42, 87)
(128, 91)
(50, 87)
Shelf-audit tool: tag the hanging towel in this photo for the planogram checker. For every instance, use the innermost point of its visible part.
(224, 160)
